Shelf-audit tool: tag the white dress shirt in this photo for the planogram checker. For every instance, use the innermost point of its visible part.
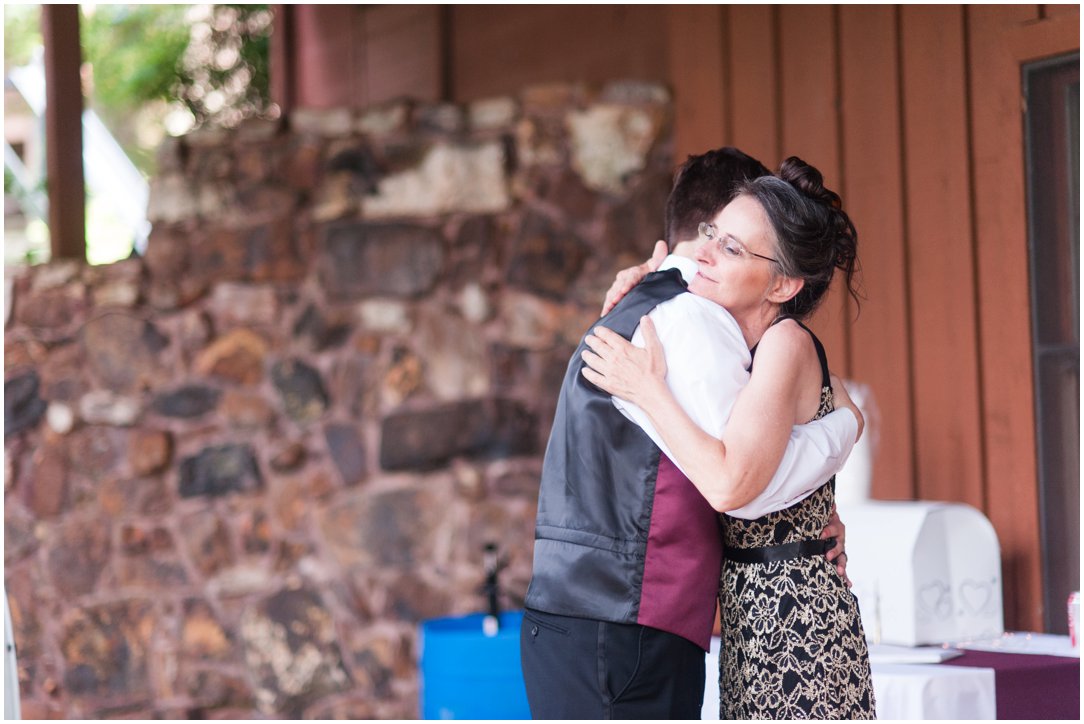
(706, 361)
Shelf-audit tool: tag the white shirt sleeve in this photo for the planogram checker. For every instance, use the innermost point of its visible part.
(706, 362)
(815, 452)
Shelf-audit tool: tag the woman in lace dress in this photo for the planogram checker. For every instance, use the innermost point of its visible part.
(793, 644)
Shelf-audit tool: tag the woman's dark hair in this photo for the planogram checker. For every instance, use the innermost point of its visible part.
(814, 234)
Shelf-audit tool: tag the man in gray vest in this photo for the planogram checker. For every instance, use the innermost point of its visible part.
(627, 552)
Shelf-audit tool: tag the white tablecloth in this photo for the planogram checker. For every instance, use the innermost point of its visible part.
(903, 691)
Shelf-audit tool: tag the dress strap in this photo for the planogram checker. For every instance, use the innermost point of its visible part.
(826, 379)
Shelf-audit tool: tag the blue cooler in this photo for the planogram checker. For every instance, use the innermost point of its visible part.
(468, 675)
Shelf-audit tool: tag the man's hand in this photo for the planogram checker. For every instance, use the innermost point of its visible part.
(838, 554)
(842, 399)
(628, 278)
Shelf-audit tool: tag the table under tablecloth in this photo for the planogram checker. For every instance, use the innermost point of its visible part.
(1029, 686)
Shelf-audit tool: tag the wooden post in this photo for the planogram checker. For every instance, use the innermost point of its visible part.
(282, 54)
(64, 131)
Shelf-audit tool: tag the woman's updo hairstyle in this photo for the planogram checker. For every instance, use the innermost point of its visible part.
(813, 233)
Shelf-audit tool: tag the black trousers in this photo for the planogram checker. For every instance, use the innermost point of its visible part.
(578, 668)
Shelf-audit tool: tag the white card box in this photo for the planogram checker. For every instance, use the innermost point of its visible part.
(924, 572)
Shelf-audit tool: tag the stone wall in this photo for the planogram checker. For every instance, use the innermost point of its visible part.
(240, 470)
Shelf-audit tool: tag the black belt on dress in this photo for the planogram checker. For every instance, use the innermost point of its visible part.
(782, 552)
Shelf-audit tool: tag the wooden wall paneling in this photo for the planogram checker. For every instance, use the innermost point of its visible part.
(753, 92)
(810, 125)
(404, 52)
(1054, 35)
(498, 49)
(696, 45)
(941, 268)
(1005, 306)
(1052, 11)
(873, 196)
(328, 37)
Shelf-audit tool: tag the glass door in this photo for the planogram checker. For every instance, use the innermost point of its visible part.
(1052, 95)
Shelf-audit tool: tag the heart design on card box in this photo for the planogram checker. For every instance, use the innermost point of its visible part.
(976, 595)
(935, 599)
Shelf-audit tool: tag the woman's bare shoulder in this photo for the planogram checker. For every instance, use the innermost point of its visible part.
(788, 339)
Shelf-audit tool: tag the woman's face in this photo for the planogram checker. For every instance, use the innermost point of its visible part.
(731, 273)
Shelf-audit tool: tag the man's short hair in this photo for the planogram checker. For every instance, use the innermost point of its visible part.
(703, 185)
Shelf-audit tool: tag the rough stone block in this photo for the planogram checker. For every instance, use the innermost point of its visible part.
(173, 198)
(52, 309)
(187, 402)
(290, 648)
(124, 350)
(208, 543)
(384, 315)
(289, 458)
(202, 635)
(492, 113)
(634, 92)
(347, 451)
(301, 390)
(388, 530)
(321, 332)
(149, 451)
(455, 354)
(19, 537)
(245, 304)
(149, 558)
(403, 378)
(528, 322)
(330, 123)
(48, 484)
(450, 179)
(236, 357)
(77, 556)
(384, 120)
(255, 530)
(23, 409)
(103, 407)
(610, 143)
(55, 275)
(364, 260)
(426, 439)
(445, 118)
(545, 260)
(122, 293)
(246, 411)
(106, 649)
(219, 471)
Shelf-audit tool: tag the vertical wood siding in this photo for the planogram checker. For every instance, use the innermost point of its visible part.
(914, 114)
(943, 330)
(872, 186)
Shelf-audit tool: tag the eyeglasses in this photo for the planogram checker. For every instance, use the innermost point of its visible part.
(730, 247)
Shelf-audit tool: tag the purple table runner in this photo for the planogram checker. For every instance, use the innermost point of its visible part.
(1030, 686)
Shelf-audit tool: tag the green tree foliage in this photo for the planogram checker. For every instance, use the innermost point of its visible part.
(225, 75)
(134, 52)
(159, 68)
(149, 69)
(211, 58)
(22, 33)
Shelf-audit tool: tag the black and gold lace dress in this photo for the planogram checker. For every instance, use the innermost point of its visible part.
(792, 641)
